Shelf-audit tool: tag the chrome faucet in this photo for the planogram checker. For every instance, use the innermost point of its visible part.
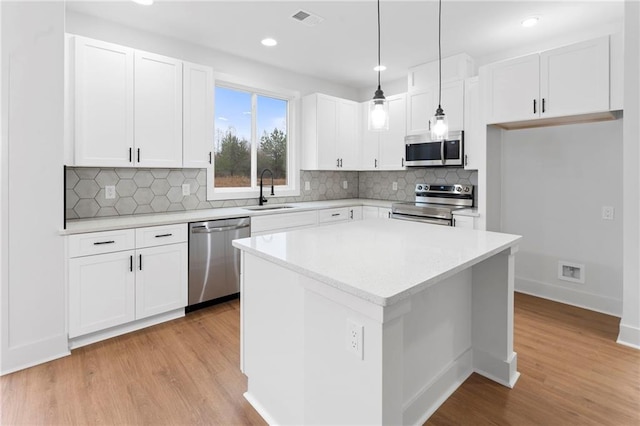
(263, 200)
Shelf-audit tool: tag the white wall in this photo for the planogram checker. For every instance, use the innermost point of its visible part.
(630, 323)
(221, 62)
(555, 181)
(33, 299)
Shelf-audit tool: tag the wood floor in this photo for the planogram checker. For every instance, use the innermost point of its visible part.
(186, 372)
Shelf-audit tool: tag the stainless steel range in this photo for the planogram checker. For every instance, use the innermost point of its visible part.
(434, 203)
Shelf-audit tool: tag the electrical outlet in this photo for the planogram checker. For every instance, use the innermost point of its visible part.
(186, 189)
(307, 185)
(607, 212)
(345, 184)
(109, 192)
(394, 186)
(355, 341)
(569, 271)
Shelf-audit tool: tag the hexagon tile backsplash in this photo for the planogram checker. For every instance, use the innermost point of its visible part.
(140, 191)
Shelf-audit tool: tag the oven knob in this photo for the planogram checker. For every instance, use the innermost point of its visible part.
(419, 187)
(458, 189)
(466, 189)
(426, 187)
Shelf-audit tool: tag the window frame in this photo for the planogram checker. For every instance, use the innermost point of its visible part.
(293, 170)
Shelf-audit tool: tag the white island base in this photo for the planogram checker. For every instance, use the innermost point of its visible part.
(419, 341)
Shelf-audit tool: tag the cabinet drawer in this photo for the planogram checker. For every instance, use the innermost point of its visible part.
(160, 235)
(333, 215)
(283, 221)
(101, 242)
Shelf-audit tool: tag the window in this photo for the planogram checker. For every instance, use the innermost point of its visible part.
(252, 131)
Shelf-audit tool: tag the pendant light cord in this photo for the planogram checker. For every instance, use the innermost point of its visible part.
(378, 44)
(439, 54)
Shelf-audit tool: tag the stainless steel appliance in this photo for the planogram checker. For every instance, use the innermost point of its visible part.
(434, 203)
(214, 264)
(420, 150)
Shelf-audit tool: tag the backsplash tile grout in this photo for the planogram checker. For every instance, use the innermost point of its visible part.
(143, 191)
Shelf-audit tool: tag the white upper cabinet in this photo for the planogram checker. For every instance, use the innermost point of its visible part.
(571, 80)
(575, 79)
(330, 129)
(102, 86)
(127, 108)
(197, 121)
(475, 131)
(384, 150)
(512, 89)
(454, 68)
(158, 111)
(422, 105)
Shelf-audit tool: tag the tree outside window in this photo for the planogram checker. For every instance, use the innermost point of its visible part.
(251, 135)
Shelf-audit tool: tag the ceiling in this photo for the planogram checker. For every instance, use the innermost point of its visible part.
(343, 47)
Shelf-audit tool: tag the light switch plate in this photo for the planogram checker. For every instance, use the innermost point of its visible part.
(345, 184)
(307, 185)
(186, 189)
(394, 186)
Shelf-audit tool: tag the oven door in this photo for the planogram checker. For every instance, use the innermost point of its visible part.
(432, 220)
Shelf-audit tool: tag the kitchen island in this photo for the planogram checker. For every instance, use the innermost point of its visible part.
(373, 322)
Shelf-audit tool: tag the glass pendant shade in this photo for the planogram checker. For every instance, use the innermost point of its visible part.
(439, 125)
(378, 114)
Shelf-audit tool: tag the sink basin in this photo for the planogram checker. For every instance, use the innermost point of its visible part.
(258, 208)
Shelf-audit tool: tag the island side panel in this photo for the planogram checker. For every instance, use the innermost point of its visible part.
(273, 340)
(437, 354)
(492, 318)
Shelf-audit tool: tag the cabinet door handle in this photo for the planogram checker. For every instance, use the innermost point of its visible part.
(341, 162)
(466, 160)
(389, 215)
(454, 221)
(335, 214)
(140, 262)
(337, 162)
(402, 162)
(163, 235)
(351, 214)
(131, 263)
(209, 157)
(130, 154)
(543, 105)
(534, 106)
(103, 242)
(375, 163)
(138, 155)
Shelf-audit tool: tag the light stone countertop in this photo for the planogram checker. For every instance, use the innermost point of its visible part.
(79, 226)
(379, 260)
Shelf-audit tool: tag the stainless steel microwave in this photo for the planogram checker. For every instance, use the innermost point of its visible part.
(420, 150)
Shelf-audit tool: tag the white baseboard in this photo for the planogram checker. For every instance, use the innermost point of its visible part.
(629, 336)
(593, 302)
(422, 405)
(500, 371)
(98, 336)
(259, 408)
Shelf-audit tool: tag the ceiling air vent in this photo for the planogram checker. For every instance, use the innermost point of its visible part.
(307, 18)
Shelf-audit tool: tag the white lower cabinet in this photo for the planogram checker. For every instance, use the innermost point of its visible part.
(460, 221)
(109, 289)
(372, 212)
(355, 213)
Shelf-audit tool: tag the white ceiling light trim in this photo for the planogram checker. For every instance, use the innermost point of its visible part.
(143, 2)
(269, 42)
(530, 22)
(379, 68)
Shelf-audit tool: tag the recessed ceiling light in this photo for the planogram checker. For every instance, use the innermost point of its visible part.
(379, 68)
(530, 22)
(143, 2)
(269, 42)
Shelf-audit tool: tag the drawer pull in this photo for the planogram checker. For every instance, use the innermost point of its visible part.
(163, 235)
(335, 214)
(103, 242)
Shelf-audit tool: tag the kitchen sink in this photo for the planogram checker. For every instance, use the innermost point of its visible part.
(258, 208)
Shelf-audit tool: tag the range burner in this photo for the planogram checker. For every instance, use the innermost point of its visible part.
(434, 203)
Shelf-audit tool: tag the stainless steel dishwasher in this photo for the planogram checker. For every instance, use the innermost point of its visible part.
(214, 264)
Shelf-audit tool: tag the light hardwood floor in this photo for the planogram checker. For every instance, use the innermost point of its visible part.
(186, 372)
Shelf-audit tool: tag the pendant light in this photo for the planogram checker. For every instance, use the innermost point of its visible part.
(378, 106)
(439, 125)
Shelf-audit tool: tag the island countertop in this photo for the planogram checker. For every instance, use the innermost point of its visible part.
(382, 261)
